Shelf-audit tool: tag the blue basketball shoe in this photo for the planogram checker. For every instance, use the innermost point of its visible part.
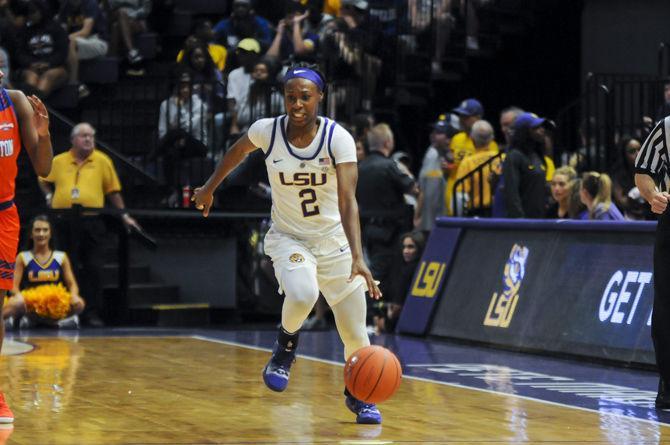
(278, 369)
(366, 413)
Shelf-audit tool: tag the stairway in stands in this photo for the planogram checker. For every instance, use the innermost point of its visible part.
(150, 301)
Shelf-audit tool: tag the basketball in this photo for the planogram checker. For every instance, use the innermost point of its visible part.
(372, 374)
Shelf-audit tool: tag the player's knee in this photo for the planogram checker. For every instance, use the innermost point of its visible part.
(300, 287)
(302, 294)
(78, 306)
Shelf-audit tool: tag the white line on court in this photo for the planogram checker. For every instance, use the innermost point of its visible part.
(456, 385)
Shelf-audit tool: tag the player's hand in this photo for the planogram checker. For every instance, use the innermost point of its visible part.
(203, 200)
(40, 115)
(659, 202)
(358, 267)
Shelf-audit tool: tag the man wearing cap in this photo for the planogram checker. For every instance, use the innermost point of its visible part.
(243, 23)
(525, 167)
(437, 162)
(239, 81)
(468, 112)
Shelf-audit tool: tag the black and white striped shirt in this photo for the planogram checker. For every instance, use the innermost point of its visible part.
(653, 158)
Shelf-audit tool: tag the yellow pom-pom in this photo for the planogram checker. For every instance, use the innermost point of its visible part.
(48, 301)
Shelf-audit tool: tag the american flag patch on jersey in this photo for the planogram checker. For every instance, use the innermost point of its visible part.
(324, 161)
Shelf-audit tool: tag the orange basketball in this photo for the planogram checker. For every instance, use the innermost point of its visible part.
(372, 374)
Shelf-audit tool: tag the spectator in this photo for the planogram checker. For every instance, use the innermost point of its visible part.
(562, 185)
(13, 14)
(182, 130)
(207, 79)
(596, 195)
(468, 112)
(265, 98)
(5, 68)
(524, 169)
(625, 194)
(432, 177)
(203, 32)
(86, 25)
(128, 19)
(42, 264)
(421, 15)
(239, 83)
(400, 280)
(42, 52)
(294, 40)
(7, 42)
(243, 23)
(84, 176)
(381, 186)
(351, 49)
(476, 187)
(507, 117)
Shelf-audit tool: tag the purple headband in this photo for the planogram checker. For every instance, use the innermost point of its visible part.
(305, 73)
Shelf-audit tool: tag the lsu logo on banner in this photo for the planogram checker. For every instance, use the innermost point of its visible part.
(501, 308)
(428, 279)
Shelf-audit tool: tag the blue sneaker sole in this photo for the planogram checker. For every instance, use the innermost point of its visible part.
(362, 420)
(368, 421)
(274, 387)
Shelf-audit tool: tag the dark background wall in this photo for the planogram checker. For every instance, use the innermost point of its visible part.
(622, 36)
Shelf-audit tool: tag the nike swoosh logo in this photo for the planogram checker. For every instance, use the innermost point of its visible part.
(299, 71)
(343, 249)
(274, 161)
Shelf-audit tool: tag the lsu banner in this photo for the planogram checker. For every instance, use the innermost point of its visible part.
(574, 288)
(428, 279)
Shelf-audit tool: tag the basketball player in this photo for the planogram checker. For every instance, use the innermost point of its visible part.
(315, 239)
(22, 120)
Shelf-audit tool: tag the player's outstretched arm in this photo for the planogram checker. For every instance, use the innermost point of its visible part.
(347, 178)
(34, 122)
(204, 196)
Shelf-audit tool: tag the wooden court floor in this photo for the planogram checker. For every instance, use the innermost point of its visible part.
(182, 390)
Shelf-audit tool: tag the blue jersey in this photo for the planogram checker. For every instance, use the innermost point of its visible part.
(36, 274)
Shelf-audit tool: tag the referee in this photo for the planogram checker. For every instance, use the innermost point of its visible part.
(652, 165)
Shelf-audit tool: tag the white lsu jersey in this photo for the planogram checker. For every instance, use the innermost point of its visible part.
(303, 180)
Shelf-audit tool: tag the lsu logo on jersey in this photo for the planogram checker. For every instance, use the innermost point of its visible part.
(428, 279)
(44, 276)
(304, 178)
(6, 148)
(501, 308)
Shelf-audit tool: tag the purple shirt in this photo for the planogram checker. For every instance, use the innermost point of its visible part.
(600, 214)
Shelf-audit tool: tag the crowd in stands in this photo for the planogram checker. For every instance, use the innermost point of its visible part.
(227, 74)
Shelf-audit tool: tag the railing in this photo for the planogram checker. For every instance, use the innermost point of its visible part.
(611, 106)
(473, 193)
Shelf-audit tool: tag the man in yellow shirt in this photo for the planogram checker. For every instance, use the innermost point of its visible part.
(477, 187)
(85, 176)
(468, 112)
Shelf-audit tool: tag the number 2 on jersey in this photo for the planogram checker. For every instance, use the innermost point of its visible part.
(308, 198)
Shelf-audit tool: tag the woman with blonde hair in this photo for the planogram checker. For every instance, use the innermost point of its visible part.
(596, 194)
(561, 191)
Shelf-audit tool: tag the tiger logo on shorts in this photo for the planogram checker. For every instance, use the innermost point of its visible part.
(296, 258)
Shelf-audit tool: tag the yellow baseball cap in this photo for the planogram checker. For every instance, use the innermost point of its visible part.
(250, 45)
